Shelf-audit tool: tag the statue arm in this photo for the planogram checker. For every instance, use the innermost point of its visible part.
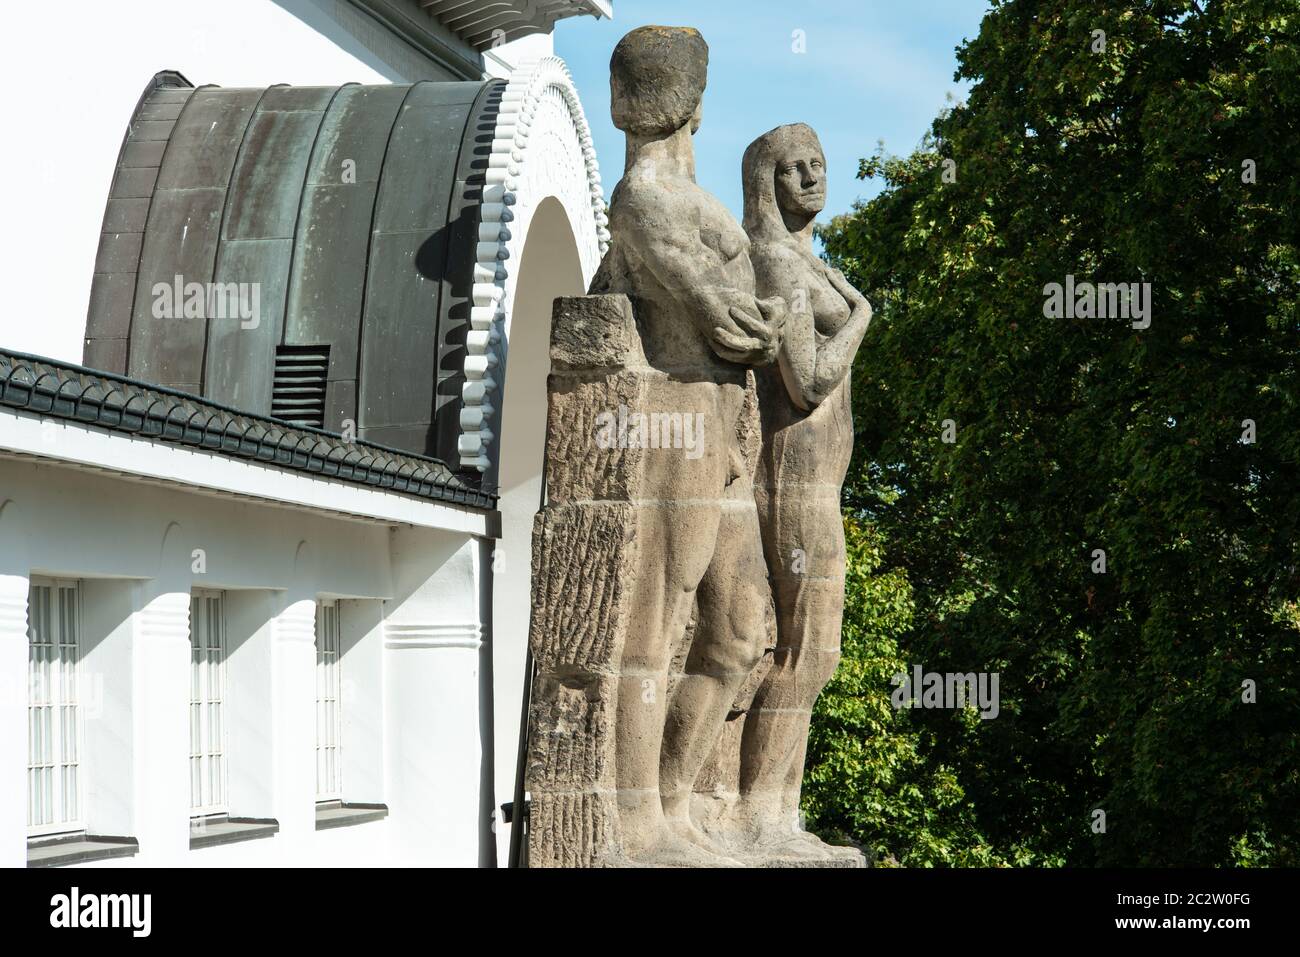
(812, 370)
(835, 357)
(738, 326)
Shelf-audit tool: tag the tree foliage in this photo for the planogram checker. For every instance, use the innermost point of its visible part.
(1126, 162)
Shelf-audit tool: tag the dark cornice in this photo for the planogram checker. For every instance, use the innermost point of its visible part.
(408, 20)
(65, 391)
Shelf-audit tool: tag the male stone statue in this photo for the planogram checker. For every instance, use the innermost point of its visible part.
(683, 261)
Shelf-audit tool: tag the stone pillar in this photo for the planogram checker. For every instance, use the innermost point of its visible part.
(584, 570)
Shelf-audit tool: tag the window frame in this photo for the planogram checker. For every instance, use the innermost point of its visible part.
(201, 681)
(61, 823)
(329, 680)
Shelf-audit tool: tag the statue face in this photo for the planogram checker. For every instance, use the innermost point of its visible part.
(622, 107)
(801, 180)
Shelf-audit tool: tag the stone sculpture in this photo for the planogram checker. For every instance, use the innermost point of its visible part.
(652, 516)
(807, 428)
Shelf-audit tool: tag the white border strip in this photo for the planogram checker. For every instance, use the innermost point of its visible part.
(61, 443)
(440, 635)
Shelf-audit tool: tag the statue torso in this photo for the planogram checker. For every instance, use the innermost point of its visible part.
(671, 337)
(823, 436)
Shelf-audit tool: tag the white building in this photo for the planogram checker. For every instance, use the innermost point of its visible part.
(264, 573)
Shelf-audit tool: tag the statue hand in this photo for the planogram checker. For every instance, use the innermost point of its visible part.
(776, 311)
(755, 339)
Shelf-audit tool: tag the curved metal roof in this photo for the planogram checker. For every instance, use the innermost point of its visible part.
(339, 258)
(350, 215)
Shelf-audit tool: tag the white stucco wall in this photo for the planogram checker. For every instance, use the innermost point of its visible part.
(422, 567)
(412, 699)
(503, 59)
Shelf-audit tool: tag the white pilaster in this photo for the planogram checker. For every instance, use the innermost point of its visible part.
(362, 626)
(107, 694)
(293, 657)
(161, 671)
(434, 764)
(250, 716)
(13, 720)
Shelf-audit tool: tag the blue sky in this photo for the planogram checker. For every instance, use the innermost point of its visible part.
(873, 70)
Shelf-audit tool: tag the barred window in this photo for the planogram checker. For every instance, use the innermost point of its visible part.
(207, 703)
(54, 732)
(329, 648)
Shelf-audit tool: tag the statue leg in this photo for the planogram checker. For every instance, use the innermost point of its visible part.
(804, 536)
(730, 639)
(679, 518)
(776, 728)
(670, 538)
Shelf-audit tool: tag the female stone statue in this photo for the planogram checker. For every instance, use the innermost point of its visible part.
(807, 430)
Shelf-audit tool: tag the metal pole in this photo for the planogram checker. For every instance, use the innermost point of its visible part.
(519, 813)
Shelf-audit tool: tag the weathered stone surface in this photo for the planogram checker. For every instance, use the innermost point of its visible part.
(597, 334)
(578, 468)
(573, 829)
(657, 79)
(569, 752)
(585, 568)
(584, 559)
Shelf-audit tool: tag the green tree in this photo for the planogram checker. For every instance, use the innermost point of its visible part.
(867, 775)
(1161, 152)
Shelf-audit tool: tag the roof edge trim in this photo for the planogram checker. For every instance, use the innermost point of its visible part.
(63, 390)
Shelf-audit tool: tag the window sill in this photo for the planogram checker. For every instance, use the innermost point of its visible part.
(78, 849)
(336, 814)
(212, 832)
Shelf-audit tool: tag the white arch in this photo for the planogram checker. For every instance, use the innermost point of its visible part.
(541, 148)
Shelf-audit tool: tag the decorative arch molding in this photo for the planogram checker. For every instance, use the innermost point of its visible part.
(541, 148)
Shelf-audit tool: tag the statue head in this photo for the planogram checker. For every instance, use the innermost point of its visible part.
(785, 181)
(657, 78)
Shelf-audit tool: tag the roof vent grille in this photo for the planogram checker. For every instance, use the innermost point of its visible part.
(298, 396)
